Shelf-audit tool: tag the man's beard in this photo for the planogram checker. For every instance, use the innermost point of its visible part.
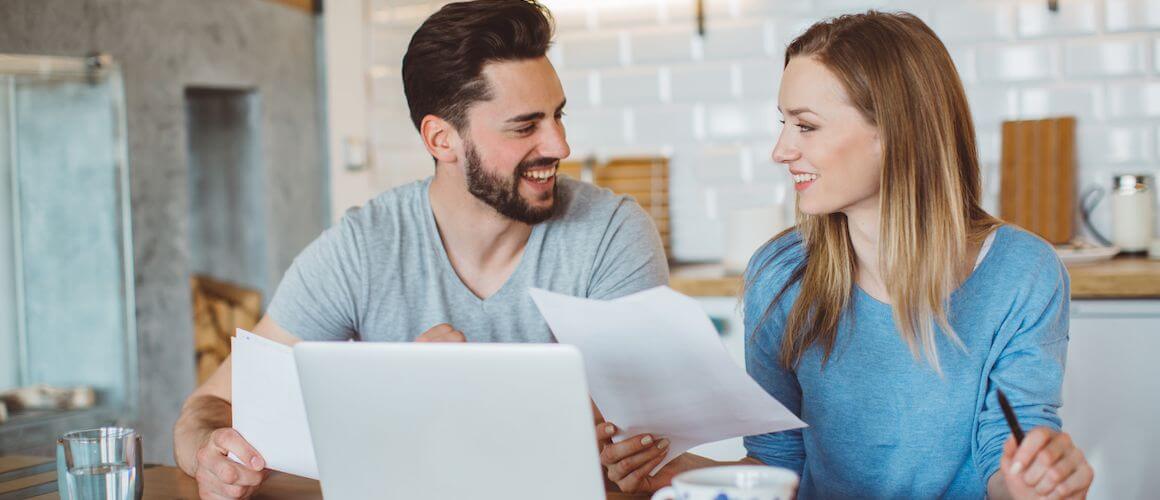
(504, 194)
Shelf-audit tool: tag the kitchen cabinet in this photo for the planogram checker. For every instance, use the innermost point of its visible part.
(1111, 394)
(1111, 390)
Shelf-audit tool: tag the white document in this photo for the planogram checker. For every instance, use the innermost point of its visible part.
(267, 401)
(656, 365)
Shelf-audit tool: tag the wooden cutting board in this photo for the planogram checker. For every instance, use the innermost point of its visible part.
(1037, 177)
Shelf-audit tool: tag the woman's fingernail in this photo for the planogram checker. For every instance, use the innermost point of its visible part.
(645, 441)
(257, 463)
(609, 429)
(663, 444)
(1016, 467)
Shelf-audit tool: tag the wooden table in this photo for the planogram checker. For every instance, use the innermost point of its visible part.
(1119, 278)
(35, 478)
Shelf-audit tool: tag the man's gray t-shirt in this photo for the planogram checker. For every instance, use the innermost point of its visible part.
(382, 274)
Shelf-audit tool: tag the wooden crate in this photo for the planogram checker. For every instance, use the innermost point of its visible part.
(646, 179)
(219, 308)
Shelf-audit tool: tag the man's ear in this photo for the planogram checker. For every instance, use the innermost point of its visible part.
(440, 138)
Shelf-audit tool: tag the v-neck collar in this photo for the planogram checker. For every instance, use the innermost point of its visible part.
(995, 238)
(531, 247)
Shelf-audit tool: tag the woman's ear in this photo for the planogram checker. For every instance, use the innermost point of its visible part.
(439, 137)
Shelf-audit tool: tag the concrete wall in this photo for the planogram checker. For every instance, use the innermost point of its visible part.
(226, 175)
(165, 46)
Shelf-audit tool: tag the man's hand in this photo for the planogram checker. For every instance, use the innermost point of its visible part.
(442, 332)
(220, 477)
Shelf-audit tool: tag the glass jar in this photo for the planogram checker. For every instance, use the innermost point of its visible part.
(1133, 212)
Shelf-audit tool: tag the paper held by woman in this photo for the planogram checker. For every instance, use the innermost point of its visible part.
(656, 365)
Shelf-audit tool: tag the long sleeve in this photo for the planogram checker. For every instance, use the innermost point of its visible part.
(1028, 368)
(769, 271)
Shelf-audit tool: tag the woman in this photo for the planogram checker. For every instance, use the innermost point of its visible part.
(889, 317)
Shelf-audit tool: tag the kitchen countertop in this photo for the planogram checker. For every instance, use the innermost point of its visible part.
(1119, 278)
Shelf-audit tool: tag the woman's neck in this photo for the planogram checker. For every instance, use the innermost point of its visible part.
(863, 222)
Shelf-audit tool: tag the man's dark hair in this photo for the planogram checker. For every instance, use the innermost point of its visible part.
(444, 61)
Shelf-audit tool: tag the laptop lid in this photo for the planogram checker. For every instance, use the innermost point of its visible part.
(454, 421)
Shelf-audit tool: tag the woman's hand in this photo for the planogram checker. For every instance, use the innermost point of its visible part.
(629, 462)
(1046, 465)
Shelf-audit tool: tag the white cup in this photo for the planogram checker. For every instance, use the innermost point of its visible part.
(732, 482)
(746, 230)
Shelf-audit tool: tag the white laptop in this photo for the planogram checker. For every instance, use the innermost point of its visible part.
(449, 421)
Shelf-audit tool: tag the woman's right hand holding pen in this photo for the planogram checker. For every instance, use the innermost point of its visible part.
(1047, 464)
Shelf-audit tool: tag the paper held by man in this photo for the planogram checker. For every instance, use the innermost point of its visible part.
(656, 365)
(267, 404)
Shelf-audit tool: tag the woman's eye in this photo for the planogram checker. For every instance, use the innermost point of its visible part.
(801, 126)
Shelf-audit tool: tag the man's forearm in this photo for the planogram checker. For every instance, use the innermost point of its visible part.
(199, 417)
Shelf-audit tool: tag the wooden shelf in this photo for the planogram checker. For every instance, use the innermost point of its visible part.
(1119, 278)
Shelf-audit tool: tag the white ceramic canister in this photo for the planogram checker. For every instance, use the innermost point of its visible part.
(1133, 212)
(746, 230)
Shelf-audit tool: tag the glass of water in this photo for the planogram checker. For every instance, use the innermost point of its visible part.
(100, 464)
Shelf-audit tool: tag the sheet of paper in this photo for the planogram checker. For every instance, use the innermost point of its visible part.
(656, 365)
(267, 401)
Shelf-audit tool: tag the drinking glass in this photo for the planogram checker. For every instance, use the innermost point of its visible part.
(100, 464)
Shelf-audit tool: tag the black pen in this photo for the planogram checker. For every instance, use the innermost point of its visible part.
(1009, 414)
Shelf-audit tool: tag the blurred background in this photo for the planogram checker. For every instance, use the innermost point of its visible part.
(163, 161)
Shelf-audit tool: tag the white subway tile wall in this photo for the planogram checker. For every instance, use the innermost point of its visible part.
(1126, 57)
(704, 82)
(630, 86)
(737, 39)
(1131, 15)
(1133, 100)
(669, 44)
(590, 50)
(974, 22)
(1041, 102)
(1013, 62)
(628, 14)
(640, 80)
(1074, 17)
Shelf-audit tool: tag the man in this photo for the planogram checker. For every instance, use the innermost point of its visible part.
(449, 258)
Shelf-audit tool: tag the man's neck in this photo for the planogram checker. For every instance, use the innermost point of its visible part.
(483, 246)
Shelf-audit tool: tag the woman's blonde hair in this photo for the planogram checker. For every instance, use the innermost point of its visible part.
(900, 77)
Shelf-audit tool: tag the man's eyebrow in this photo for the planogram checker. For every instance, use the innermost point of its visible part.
(534, 116)
(527, 117)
